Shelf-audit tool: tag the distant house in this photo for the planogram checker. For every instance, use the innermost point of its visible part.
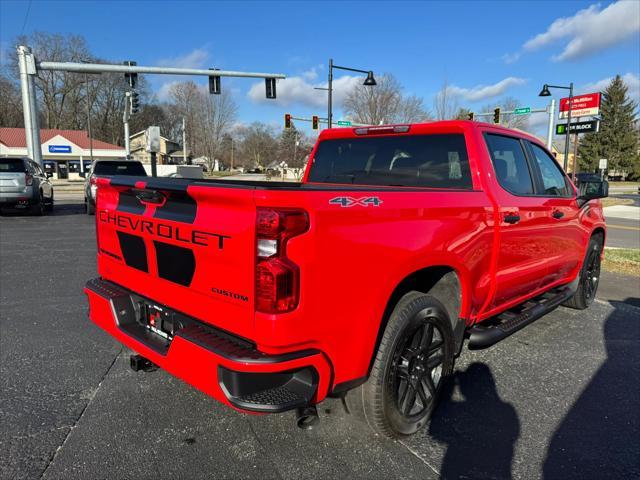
(65, 153)
(170, 152)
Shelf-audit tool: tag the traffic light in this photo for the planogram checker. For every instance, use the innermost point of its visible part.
(314, 122)
(132, 78)
(270, 86)
(214, 83)
(287, 120)
(471, 116)
(135, 102)
(496, 115)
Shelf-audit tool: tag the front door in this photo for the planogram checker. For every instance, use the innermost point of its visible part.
(567, 239)
(63, 170)
(523, 249)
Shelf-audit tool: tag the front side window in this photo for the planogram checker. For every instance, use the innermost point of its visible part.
(430, 161)
(553, 180)
(510, 164)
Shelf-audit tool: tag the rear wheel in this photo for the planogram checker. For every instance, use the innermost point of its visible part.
(49, 205)
(38, 207)
(416, 354)
(589, 276)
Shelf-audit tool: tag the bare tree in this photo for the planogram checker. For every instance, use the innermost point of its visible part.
(208, 118)
(384, 103)
(446, 103)
(11, 104)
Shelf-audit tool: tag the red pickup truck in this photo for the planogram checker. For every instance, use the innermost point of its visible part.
(401, 242)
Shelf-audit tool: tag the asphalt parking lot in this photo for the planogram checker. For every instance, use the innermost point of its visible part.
(560, 399)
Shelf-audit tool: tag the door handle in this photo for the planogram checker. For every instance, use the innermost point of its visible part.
(512, 218)
(150, 196)
(557, 214)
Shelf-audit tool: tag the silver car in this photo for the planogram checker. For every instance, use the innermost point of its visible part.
(24, 185)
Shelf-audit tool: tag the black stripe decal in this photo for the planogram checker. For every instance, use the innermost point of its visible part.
(129, 203)
(176, 264)
(179, 207)
(134, 251)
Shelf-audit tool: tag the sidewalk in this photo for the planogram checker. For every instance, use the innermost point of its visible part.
(628, 212)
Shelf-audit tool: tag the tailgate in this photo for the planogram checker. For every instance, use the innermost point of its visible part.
(11, 182)
(184, 245)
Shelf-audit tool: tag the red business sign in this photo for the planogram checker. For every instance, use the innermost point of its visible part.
(581, 105)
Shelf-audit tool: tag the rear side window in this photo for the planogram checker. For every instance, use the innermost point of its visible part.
(553, 180)
(13, 165)
(432, 161)
(510, 164)
(119, 168)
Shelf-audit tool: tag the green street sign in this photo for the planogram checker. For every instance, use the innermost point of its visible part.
(522, 110)
(344, 123)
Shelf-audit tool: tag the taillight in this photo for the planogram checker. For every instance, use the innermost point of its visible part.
(277, 277)
(28, 179)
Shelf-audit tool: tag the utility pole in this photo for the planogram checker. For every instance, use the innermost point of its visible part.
(231, 167)
(329, 109)
(125, 121)
(27, 67)
(184, 141)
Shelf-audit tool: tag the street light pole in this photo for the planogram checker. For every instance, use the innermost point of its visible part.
(329, 110)
(546, 93)
(370, 82)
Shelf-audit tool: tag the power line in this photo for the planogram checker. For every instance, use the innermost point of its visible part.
(26, 16)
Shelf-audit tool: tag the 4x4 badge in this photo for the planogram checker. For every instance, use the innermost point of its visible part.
(352, 202)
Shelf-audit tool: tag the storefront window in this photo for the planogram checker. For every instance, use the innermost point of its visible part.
(74, 166)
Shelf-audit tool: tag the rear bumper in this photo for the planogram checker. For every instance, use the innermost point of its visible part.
(24, 197)
(225, 367)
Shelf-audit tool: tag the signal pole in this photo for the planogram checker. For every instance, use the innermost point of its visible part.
(125, 120)
(184, 141)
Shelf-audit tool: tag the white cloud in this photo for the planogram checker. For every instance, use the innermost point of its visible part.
(196, 58)
(483, 92)
(588, 31)
(300, 90)
(631, 80)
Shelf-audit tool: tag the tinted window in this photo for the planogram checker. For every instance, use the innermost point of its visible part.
(119, 168)
(510, 164)
(438, 161)
(552, 178)
(12, 165)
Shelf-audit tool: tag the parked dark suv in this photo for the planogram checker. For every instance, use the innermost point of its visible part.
(107, 167)
(24, 185)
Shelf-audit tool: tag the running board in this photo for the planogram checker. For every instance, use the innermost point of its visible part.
(509, 322)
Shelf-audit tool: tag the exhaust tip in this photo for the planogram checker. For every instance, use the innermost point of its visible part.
(307, 417)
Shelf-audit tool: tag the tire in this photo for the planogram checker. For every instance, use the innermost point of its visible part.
(589, 276)
(37, 208)
(49, 206)
(91, 209)
(415, 356)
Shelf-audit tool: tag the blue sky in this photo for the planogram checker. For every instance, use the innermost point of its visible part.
(484, 50)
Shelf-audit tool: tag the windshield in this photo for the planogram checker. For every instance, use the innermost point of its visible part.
(433, 161)
(14, 165)
(119, 168)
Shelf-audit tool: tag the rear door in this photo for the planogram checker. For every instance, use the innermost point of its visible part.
(12, 175)
(184, 244)
(566, 240)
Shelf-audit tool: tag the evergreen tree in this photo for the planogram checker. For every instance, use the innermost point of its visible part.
(617, 140)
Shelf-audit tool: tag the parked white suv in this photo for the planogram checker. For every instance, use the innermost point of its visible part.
(24, 185)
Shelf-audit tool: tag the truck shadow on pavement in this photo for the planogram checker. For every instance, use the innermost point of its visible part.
(605, 418)
(479, 428)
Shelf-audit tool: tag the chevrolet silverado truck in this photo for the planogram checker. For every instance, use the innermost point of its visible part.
(401, 243)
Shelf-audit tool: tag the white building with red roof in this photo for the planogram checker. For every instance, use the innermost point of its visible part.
(65, 153)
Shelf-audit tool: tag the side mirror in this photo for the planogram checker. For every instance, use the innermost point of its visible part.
(48, 174)
(82, 174)
(590, 189)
